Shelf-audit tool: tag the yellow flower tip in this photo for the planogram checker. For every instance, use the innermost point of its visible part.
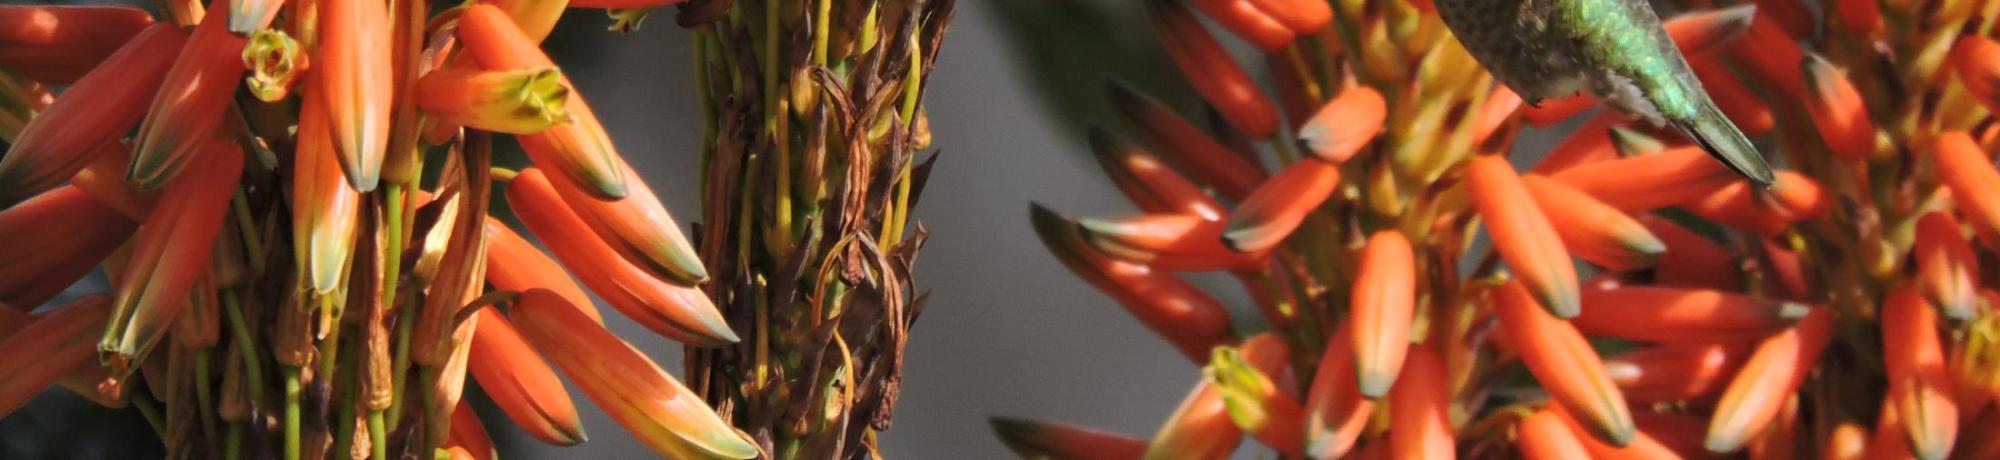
(525, 101)
(275, 61)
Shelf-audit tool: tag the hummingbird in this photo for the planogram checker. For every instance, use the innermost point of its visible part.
(1615, 49)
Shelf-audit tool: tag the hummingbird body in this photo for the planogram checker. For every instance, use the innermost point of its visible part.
(1615, 49)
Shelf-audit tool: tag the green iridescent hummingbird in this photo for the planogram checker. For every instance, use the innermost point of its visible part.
(1615, 49)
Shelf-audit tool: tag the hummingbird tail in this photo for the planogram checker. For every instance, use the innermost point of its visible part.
(1717, 135)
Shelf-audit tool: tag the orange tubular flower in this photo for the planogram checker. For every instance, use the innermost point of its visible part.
(189, 106)
(1266, 217)
(1593, 230)
(1738, 205)
(1302, 16)
(1678, 372)
(1384, 301)
(1190, 319)
(521, 383)
(1248, 379)
(92, 113)
(514, 264)
(1658, 314)
(56, 45)
(1420, 425)
(1335, 411)
(1522, 235)
(1148, 181)
(1699, 33)
(681, 313)
(1915, 362)
(1838, 111)
(325, 205)
(1947, 269)
(1546, 435)
(71, 233)
(1249, 22)
(1590, 143)
(1166, 242)
(1965, 169)
(1737, 101)
(1977, 62)
(468, 439)
(173, 246)
(1200, 428)
(104, 180)
(524, 101)
(83, 380)
(1860, 16)
(1770, 53)
(536, 18)
(1036, 439)
(638, 226)
(1219, 80)
(1648, 182)
(1642, 446)
(1565, 364)
(643, 398)
(1691, 261)
(1207, 159)
(1757, 393)
(1344, 125)
(49, 348)
(358, 84)
(580, 149)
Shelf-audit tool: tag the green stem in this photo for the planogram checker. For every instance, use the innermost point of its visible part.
(378, 439)
(253, 247)
(292, 394)
(201, 387)
(144, 402)
(232, 449)
(253, 368)
(400, 364)
(343, 420)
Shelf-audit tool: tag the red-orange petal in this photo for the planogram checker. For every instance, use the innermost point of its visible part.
(1677, 372)
(1738, 101)
(57, 45)
(54, 345)
(1590, 143)
(1166, 242)
(581, 149)
(172, 247)
(1545, 435)
(1657, 314)
(1190, 319)
(638, 226)
(354, 73)
(71, 232)
(1838, 110)
(1915, 363)
(1335, 410)
(1947, 269)
(188, 109)
(1970, 175)
(1248, 22)
(1651, 181)
(1199, 428)
(1702, 32)
(1691, 260)
(1148, 181)
(1037, 439)
(514, 264)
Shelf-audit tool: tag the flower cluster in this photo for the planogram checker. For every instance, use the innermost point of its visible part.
(287, 280)
(1839, 313)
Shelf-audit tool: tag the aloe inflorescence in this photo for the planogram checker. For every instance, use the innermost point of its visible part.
(1629, 297)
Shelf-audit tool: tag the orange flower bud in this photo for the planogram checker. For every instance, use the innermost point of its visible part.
(643, 398)
(1915, 364)
(57, 45)
(1420, 423)
(1547, 435)
(1200, 155)
(1522, 235)
(1035, 439)
(1675, 372)
(1148, 181)
(188, 109)
(580, 149)
(1593, 230)
(524, 101)
(638, 226)
(172, 248)
(1382, 306)
(1270, 214)
(1648, 182)
(325, 205)
(1966, 170)
(71, 232)
(1947, 269)
(1247, 21)
(52, 346)
(1344, 125)
(1206, 64)
(1566, 366)
(1757, 393)
(94, 112)
(1657, 314)
(1190, 319)
(514, 264)
(1200, 428)
(521, 383)
(1838, 110)
(1335, 411)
